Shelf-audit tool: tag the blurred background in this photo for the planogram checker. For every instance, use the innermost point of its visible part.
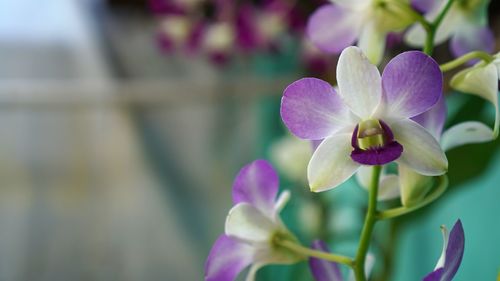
(119, 144)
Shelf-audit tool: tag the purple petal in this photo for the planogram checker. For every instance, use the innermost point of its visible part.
(424, 6)
(433, 119)
(311, 109)
(454, 252)
(435, 275)
(412, 84)
(227, 259)
(315, 144)
(332, 28)
(257, 184)
(323, 270)
(470, 38)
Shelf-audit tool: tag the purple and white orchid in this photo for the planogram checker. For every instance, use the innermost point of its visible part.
(335, 26)
(451, 256)
(368, 121)
(251, 227)
(466, 23)
(408, 184)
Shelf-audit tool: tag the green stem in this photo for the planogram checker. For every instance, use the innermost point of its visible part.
(465, 58)
(370, 219)
(396, 212)
(299, 249)
(431, 31)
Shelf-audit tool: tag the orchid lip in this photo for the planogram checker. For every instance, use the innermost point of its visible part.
(374, 144)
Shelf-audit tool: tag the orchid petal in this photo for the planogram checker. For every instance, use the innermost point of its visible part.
(311, 109)
(257, 184)
(454, 252)
(412, 84)
(424, 6)
(331, 163)
(359, 82)
(323, 270)
(466, 133)
(333, 27)
(246, 223)
(442, 258)
(421, 151)
(253, 271)
(282, 201)
(433, 119)
(388, 187)
(364, 175)
(414, 186)
(480, 80)
(472, 37)
(372, 42)
(227, 258)
(435, 275)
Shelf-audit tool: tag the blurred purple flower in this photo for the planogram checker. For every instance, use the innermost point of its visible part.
(466, 23)
(451, 256)
(333, 27)
(368, 121)
(251, 227)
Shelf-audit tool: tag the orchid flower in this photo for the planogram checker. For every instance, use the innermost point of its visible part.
(368, 121)
(333, 27)
(408, 184)
(466, 23)
(251, 227)
(451, 256)
(481, 80)
(324, 270)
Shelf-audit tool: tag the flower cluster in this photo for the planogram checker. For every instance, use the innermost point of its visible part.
(387, 128)
(223, 29)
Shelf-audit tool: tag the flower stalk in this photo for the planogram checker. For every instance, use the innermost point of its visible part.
(370, 220)
(432, 29)
(465, 58)
(396, 212)
(301, 250)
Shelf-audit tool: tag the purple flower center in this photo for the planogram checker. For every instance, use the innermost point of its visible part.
(373, 143)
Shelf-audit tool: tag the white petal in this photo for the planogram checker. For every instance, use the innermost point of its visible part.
(280, 203)
(414, 186)
(481, 80)
(466, 133)
(331, 163)
(372, 42)
(247, 223)
(442, 258)
(359, 82)
(388, 188)
(421, 151)
(364, 175)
